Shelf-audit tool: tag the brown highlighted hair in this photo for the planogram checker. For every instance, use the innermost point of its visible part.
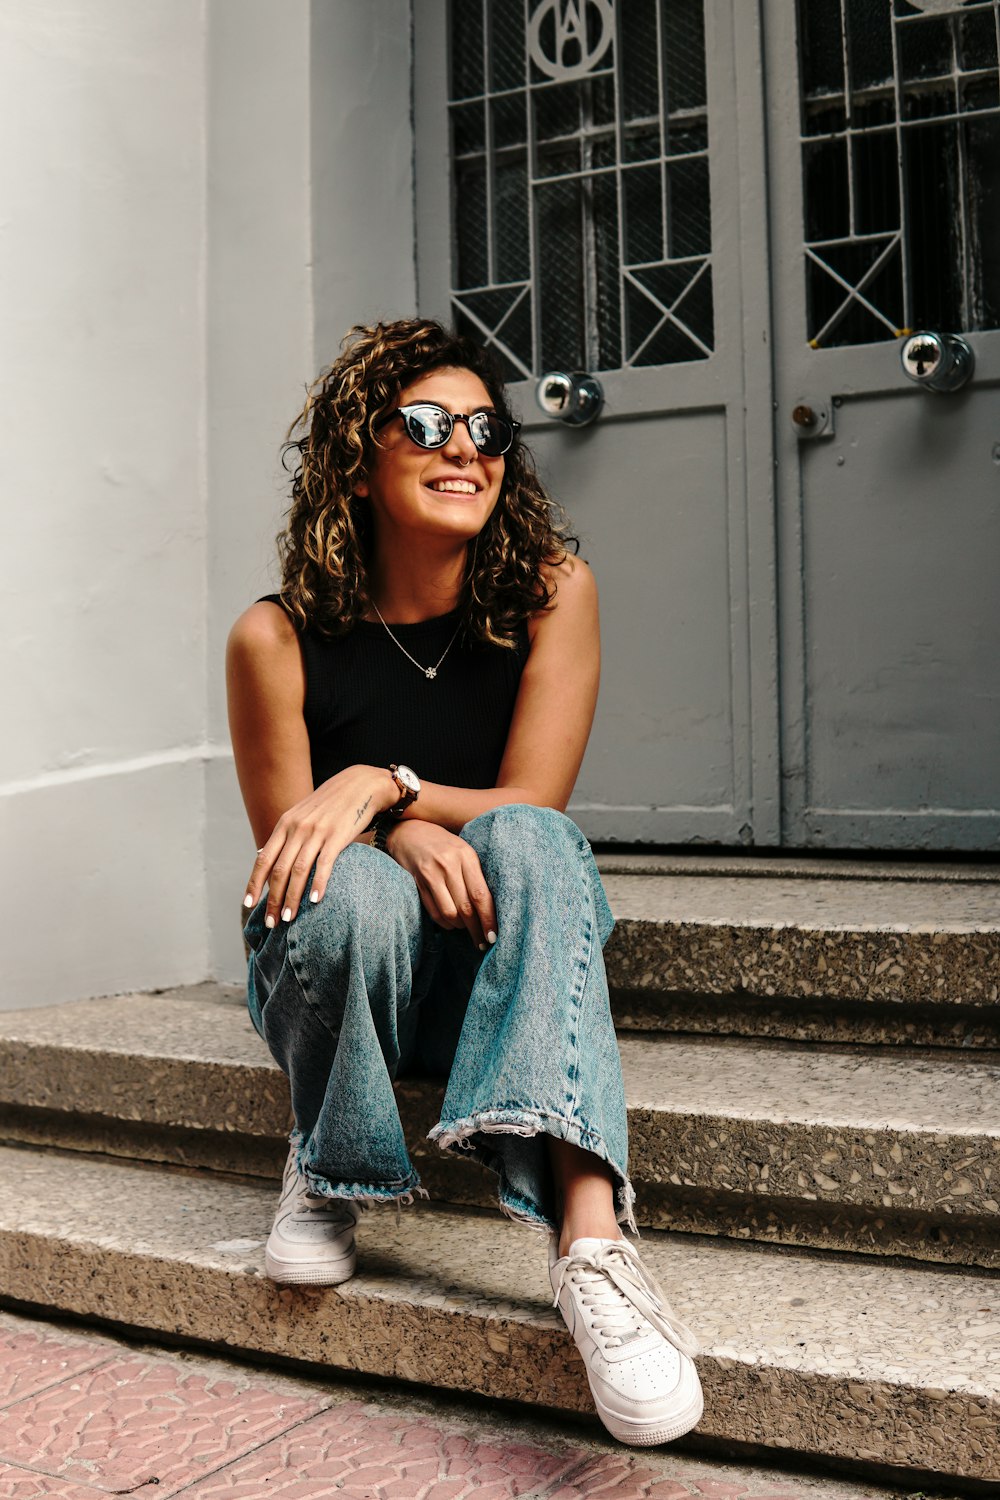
(326, 541)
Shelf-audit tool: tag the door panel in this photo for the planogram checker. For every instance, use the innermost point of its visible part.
(885, 216)
(587, 172)
(666, 718)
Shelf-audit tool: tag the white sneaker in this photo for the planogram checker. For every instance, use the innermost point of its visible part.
(639, 1358)
(312, 1239)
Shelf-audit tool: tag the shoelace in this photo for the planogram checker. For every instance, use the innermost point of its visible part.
(621, 1292)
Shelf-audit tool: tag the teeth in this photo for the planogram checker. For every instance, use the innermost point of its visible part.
(454, 486)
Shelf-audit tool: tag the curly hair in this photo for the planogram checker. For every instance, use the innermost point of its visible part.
(326, 541)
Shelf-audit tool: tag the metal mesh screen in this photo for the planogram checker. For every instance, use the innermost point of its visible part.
(580, 182)
(901, 166)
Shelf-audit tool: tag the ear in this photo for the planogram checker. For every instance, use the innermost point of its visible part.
(361, 489)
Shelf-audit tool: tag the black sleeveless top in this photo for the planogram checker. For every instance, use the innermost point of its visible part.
(367, 704)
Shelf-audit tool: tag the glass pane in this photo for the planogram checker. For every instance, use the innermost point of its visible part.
(559, 276)
(642, 193)
(465, 38)
(510, 221)
(869, 30)
(561, 170)
(468, 129)
(510, 123)
(689, 209)
(684, 51)
(471, 254)
(821, 48)
(925, 49)
(506, 45)
(901, 190)
(640, 70)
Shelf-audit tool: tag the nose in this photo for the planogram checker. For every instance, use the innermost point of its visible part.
(460, 446)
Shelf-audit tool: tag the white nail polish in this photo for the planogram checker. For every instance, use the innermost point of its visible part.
(269, 920)
(286, 915)
(248, 900)
(482, 948)
(314, 896)
(491, 936)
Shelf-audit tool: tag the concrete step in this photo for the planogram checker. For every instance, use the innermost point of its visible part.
(806, 950)
(859, 1149)
(828, 1356)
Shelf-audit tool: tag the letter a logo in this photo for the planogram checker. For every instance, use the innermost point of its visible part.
(568, 38)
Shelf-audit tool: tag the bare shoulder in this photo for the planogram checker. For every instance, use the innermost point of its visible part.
(571, 578)
(263, 632)
(574, 602)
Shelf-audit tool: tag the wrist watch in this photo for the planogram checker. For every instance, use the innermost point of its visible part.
(383, 825)
(408, 783)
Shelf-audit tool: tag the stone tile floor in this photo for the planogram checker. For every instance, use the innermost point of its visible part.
(84, 1414)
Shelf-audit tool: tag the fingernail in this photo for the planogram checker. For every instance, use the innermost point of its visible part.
(482, 947)
(248, 899)
(491, 936)
(314, 896)
(286, 915)
(269, 920)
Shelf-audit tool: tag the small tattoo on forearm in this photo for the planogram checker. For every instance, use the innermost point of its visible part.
(363, 809)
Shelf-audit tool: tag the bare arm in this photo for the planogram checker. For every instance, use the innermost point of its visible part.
(552, 716)
(296, 825)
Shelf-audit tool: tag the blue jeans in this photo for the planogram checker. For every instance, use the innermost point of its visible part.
(364, 986)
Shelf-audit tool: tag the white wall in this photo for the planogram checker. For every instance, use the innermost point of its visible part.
(310, 231)
(197, 198)
(102, 483)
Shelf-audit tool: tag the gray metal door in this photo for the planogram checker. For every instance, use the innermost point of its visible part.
(586, 175)
(885, 199)
(592, 194)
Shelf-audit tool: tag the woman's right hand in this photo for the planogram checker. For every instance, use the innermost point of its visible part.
(313, 832)
(449, 878)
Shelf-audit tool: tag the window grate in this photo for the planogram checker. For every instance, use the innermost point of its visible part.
(581, 218)
(901, 166)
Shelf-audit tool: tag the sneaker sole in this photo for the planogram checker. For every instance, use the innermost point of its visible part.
(301, 1273)
(647, 1435)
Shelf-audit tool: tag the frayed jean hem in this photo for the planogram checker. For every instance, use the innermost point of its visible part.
(459, 1136)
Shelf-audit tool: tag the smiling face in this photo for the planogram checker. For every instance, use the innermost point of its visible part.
(447, 492)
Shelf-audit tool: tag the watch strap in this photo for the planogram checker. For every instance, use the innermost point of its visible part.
(382, 826)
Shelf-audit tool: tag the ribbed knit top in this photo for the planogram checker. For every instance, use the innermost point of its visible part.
(367, 704)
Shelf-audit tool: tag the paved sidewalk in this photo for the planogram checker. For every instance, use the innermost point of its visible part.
(83, 1414)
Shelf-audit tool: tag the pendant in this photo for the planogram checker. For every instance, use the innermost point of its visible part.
(430, 671)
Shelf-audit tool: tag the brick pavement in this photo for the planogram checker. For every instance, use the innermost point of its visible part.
(84, 1415)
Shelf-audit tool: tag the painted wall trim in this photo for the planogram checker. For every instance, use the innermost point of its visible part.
(182, 755)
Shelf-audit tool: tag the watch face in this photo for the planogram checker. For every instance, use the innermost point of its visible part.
(409, 778)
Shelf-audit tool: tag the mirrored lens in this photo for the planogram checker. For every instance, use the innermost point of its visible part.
(491, 434)
(430, 426)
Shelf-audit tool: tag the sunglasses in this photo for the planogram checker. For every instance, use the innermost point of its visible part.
(430, 426)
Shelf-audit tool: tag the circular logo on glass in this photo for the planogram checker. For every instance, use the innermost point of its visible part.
(568, 38)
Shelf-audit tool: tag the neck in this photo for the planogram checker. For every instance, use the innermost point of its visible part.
(414, 584)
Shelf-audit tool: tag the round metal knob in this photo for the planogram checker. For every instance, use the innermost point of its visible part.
(938, 361)
(574, 399)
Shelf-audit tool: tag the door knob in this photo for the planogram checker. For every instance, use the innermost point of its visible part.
(574, 399)
(938, 361)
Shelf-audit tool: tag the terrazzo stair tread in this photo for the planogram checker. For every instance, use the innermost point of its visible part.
(882, 1153)
(882, 1130)
(780, 865)
(833, 1357)
(925, 942)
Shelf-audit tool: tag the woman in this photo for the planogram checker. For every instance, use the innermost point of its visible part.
(408, 719)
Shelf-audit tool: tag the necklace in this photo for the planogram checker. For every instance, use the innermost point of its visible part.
(429, 672)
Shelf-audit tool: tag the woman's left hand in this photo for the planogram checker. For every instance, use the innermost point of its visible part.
(313, 832)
